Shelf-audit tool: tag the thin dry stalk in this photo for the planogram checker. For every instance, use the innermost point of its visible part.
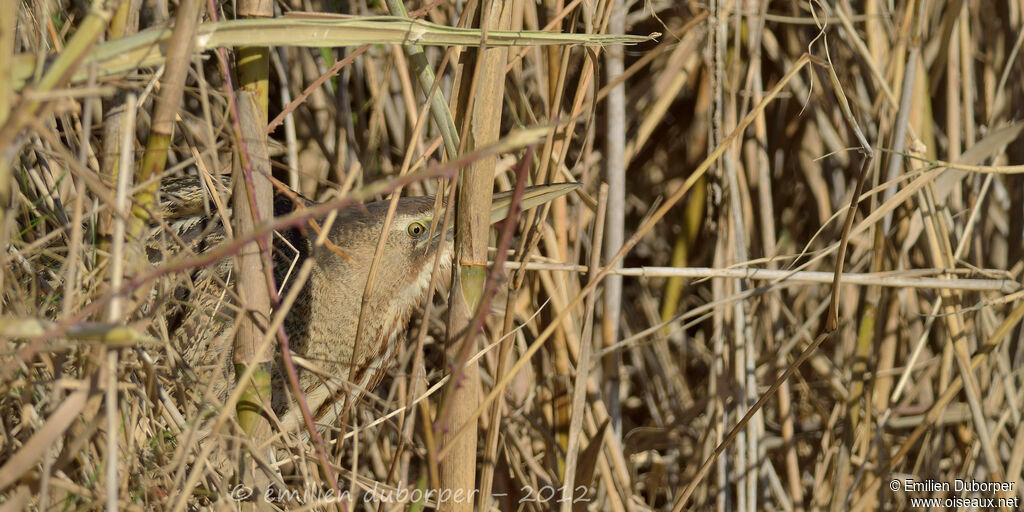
(726, 277)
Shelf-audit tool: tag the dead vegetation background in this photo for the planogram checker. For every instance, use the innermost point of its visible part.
(621, 387)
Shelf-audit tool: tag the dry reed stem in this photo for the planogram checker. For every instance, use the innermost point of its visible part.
(921, 379)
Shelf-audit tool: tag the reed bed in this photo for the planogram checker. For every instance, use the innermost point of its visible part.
(790, 279)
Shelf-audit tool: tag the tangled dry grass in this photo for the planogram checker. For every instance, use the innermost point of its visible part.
(670, 337)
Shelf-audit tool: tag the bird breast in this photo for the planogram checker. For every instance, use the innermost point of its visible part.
(324, 323)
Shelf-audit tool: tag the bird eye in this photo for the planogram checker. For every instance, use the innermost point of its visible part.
(416, 229)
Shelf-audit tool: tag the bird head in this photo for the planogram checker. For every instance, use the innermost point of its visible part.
(413, 239)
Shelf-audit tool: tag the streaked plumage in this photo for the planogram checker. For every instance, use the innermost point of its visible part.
(322, 323)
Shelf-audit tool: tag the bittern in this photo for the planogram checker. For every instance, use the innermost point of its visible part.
(323, 321)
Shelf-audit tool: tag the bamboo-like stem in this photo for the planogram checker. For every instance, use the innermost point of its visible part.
(615, 174)
(425, 75)
(125, 21)
(147, 48)
(8, 31)
(253, 201)
(483, 109)
(252, 283)
(579, 389)
(154, 159)
(114, 311)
